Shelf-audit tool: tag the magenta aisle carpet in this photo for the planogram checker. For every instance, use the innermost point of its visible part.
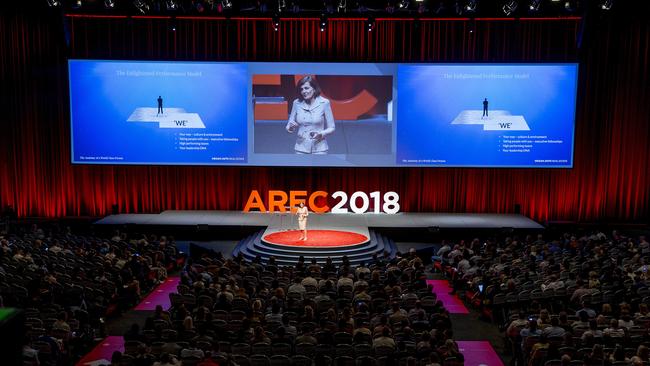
(451, 302)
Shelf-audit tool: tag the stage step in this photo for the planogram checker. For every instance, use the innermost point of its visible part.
(254, 245)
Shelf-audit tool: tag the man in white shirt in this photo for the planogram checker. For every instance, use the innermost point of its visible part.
(297, 287)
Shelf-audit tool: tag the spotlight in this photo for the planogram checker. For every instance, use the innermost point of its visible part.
(53, 3)
(568, 6)
(141, 6)
(109, 4)
(370, 24)
(171, 5)
(226, 4)
(404, 4)
(606, 4)
(323, 23)
(471, 6)
(510, 7)
(276, 23)
(534, 5)
(76, 4)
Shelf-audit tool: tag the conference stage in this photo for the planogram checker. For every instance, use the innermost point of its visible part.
(357, 236)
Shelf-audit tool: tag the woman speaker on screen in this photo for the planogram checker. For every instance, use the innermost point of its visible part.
(311, 118)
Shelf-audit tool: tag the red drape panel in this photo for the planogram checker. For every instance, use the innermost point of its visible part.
(610, 180)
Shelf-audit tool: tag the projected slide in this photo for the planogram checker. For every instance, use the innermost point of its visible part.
(486, 115)
(158, 112)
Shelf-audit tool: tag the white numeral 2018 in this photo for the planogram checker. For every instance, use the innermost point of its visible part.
(389, 206)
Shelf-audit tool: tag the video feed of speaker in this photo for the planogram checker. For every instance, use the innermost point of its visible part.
(313, 114)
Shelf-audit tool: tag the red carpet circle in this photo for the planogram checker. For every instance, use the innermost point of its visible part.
(316, 238)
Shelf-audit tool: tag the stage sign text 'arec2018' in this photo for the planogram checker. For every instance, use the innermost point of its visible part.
(358, 202)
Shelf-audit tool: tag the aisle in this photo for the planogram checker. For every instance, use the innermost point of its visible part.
(479, 341)
(159, 296)
(102, 353)
(452, 303)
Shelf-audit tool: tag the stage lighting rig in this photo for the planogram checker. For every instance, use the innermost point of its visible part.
(141, 6)
(510, 7)
(404, 4)
(471, 6)
(76, 4)
(226, 4)
(53, 3)
(342, 6)
(171, 5)
(109, 4)
(606, 4)
(534, 5)
(569, 6)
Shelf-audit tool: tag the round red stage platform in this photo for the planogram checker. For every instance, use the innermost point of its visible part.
(316, 238)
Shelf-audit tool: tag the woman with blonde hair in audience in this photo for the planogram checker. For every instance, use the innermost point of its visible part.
(544, 319)
(308, 315)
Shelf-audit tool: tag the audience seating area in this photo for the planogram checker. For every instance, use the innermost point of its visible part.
(573, 299)
(231, 311)
(68, 284)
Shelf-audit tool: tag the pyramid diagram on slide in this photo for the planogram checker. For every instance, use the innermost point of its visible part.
(497, 120)
(171, 118)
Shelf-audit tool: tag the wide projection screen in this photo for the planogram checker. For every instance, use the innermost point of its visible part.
(322, 114)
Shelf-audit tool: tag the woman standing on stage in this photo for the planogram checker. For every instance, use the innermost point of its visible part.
(311, 118)
(302, 213)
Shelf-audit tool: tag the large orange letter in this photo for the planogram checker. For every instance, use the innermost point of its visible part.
(275, 203)
(254, 201)
(295, 197)
(312, 202)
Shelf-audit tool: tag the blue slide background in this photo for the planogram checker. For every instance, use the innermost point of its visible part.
(101, 102)
(429, 102)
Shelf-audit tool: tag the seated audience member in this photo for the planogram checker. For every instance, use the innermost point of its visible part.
(554, 329)
(385, 340)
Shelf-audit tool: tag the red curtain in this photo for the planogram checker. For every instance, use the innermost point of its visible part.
(610, 180)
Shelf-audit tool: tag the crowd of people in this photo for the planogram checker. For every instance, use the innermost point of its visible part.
(68, 284)
(229, 311)
(570, 299)
(565, 300)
